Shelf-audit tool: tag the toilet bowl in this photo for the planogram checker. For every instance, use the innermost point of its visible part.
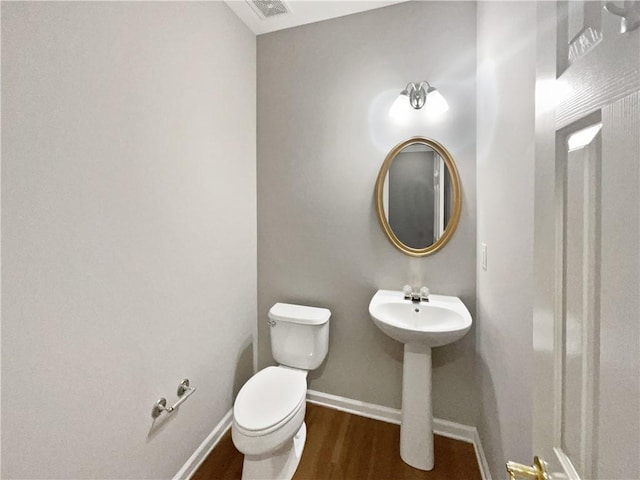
(268, 414)
(268, 423)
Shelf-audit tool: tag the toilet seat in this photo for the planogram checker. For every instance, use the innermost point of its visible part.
(269, 400)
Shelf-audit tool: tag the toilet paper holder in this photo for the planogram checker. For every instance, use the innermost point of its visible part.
(184, 392)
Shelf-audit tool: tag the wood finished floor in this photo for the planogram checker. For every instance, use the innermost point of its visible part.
(349, 447)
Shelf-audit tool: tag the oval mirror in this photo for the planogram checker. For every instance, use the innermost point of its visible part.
(418, 196)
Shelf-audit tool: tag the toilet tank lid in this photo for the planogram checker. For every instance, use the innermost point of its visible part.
(288, 312)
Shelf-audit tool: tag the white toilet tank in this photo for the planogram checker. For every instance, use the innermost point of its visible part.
(299, 335)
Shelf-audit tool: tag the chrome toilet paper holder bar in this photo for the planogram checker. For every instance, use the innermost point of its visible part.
(184, 392)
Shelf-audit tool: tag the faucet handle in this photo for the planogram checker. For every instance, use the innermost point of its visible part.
(407, 291)
(424, 293)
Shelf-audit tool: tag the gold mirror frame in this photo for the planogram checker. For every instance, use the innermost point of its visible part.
(457, 197)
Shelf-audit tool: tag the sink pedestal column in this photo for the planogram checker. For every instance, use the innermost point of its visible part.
(416, 429)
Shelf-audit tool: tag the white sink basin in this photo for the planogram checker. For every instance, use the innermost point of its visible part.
(440, 321)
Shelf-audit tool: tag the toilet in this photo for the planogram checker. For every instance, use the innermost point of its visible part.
(268, 414)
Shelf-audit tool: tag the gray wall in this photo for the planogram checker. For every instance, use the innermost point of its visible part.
(324, 91)
(506, 78)
(129, 232)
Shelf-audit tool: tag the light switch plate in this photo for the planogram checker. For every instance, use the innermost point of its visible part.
(483, 249)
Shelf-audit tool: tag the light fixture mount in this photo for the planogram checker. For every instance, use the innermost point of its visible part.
(419, 95)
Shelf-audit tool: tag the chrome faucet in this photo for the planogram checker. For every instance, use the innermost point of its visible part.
(415, 297)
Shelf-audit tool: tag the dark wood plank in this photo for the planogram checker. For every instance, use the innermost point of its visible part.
(223, 463)
(342, 446)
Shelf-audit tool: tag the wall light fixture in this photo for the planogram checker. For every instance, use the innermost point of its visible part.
(418, 96)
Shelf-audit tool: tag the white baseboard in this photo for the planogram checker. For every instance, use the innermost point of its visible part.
(441, 427)
(482, 460)
(205, 448)
(364, 409)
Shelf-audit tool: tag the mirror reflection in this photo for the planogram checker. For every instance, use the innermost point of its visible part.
(418, 196)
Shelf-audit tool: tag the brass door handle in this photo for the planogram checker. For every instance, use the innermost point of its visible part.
(535, 472)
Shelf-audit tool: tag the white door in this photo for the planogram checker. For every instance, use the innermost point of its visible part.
(587, 243)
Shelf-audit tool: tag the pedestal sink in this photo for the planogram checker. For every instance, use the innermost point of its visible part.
(420, 326)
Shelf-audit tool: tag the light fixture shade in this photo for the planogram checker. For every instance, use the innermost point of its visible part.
(401, 108)
(435, 104)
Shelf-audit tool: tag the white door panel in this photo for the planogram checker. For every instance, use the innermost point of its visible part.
(587, 244)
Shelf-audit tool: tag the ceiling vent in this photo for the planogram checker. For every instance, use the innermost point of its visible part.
(268, 8)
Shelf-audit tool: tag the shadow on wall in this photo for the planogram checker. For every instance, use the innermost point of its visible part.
(454, 351)
(159, 424)
(489, 421)
(244, 366)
